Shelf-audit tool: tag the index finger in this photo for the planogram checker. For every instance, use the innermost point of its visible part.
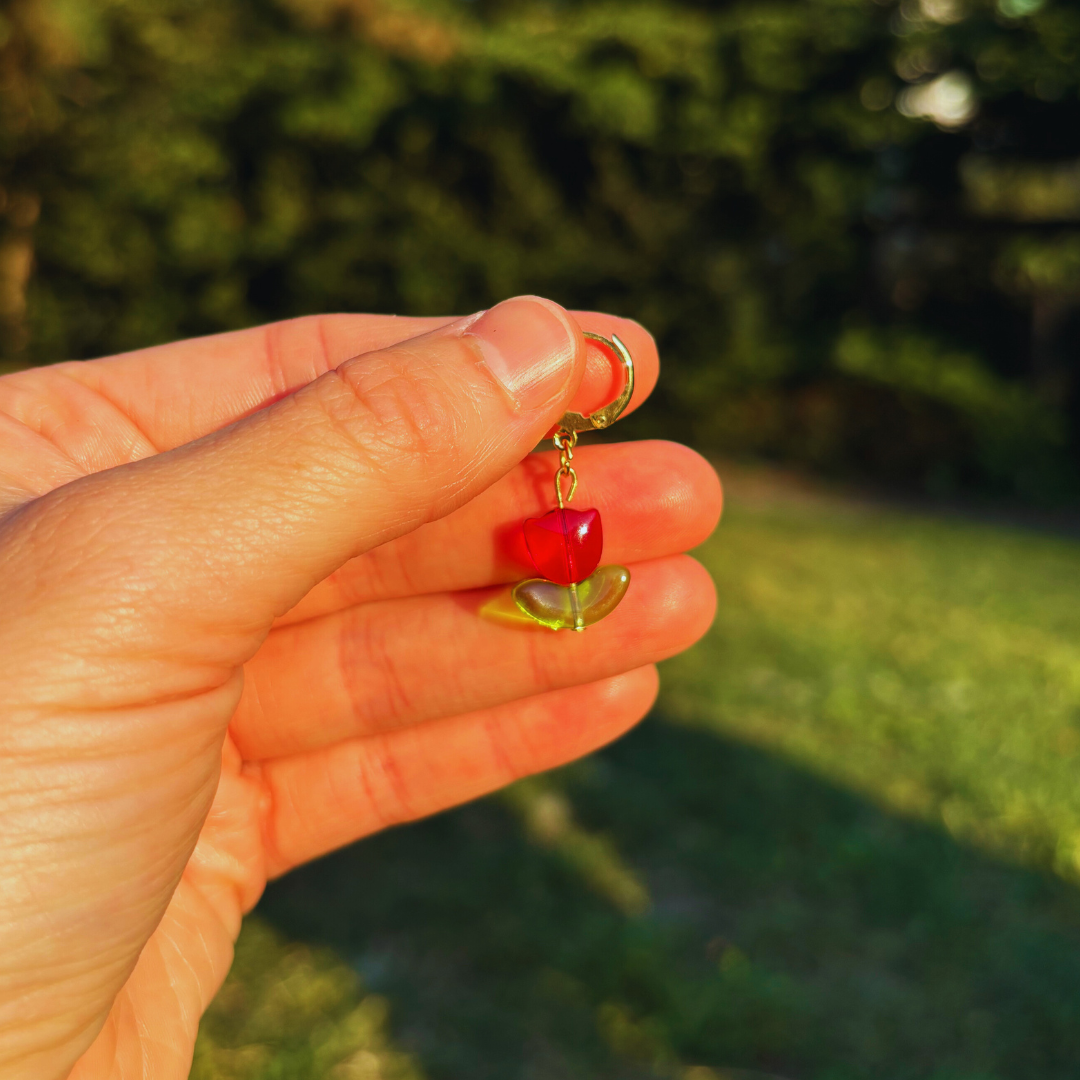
(181, 391)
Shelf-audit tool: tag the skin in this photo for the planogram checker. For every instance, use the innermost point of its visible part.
(241, 624)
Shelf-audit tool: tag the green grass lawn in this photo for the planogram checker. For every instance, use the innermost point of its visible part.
(846, 846)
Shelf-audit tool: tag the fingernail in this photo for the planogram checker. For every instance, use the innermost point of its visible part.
(528, 345)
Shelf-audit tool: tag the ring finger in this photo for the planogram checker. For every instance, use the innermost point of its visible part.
(330, 797)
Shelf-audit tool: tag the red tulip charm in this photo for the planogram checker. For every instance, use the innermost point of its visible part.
(565, 544)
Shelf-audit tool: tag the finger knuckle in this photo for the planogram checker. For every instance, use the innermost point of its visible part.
(388, 411)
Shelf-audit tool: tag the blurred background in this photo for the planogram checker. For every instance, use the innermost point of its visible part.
(847, 844)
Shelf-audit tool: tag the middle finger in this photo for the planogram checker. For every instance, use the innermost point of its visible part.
(387, 665)
(655, 498)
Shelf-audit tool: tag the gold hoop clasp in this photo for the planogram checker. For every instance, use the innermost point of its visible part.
(605, 417)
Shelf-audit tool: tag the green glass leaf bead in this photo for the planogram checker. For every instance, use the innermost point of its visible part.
(573, 607)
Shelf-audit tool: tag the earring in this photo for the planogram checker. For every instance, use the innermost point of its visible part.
(565, 545)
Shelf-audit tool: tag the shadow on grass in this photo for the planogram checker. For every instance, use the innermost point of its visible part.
(792, 928)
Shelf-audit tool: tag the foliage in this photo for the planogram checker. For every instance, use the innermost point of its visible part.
(761, 182)
(287, 1010)
(847, 846)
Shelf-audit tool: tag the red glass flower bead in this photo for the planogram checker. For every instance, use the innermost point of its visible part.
(565, 545)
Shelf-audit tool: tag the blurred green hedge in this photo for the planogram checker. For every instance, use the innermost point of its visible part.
(853, 225)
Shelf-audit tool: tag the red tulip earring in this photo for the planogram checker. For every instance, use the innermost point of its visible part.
(565, 545)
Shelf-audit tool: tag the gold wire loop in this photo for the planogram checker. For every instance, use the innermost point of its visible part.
(565, 441)
(605, 417)
(566, 470)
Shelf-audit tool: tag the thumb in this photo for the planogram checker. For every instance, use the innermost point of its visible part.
(231, 530)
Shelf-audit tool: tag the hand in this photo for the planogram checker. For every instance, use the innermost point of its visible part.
(240, 582)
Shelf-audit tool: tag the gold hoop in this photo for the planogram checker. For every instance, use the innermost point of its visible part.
(605, 417)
